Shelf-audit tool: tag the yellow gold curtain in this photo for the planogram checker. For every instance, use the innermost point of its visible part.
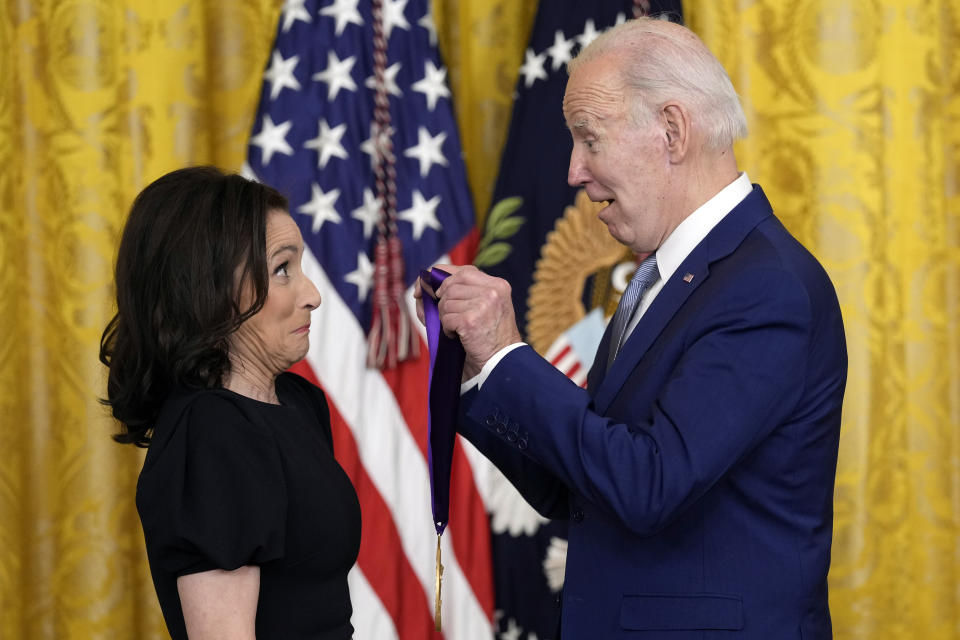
(97, 98)
(483, 43)
(854, 110)
(855, 134)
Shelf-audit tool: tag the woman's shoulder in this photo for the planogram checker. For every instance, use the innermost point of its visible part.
(211, 416)
(217, 407)
(212, 491)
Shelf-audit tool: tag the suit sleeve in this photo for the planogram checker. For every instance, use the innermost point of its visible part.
(538, 486)
(741, 374)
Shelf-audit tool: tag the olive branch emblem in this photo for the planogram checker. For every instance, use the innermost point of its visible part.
(501, 225)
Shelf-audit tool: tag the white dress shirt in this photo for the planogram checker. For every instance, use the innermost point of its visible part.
(671, 253)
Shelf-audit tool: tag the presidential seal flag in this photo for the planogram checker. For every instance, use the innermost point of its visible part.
(566, 273)
(355, 127)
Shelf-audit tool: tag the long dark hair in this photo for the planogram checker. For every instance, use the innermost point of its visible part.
(194, 238)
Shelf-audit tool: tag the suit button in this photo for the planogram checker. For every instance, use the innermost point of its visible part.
(522, 445)
(502, 428)
(578, 516)
(512, 436)
(490, 421)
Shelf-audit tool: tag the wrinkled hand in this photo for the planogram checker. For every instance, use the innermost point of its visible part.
(478, 308)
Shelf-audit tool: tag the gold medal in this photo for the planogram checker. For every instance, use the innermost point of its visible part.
(439, 583)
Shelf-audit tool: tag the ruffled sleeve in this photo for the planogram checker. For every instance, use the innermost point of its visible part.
(215, 496)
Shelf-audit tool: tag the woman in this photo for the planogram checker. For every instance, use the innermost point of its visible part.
(251, 525)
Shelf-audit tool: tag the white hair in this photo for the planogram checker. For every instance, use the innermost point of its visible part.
(666, 62)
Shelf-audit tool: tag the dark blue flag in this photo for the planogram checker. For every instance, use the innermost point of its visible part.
(566, 272)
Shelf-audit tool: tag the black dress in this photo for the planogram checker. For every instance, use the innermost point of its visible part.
(229, 481)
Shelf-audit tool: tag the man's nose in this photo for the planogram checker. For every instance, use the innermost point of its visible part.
(577, 173)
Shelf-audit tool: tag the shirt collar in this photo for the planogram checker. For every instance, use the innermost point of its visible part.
(698, 224)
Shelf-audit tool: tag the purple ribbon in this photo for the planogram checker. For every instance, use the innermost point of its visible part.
(446, 369)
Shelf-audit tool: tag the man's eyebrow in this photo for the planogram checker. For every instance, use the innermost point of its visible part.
(580, 123)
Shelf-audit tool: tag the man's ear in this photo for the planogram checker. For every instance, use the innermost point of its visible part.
(676, 122)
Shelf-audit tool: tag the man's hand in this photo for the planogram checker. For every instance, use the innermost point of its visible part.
(478, 308)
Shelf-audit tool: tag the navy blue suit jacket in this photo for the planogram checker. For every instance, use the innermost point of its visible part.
(698, 472)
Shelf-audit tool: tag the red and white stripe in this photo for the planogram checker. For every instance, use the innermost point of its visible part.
(380, 439)
(563, 357)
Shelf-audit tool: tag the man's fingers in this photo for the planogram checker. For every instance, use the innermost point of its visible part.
(454, 268)
(420, 315)
(458, 274)
(471, 284)
(418, 296)
(464, 292)
(420, 287)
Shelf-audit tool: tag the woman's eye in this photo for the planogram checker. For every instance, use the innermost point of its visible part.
(281, 270)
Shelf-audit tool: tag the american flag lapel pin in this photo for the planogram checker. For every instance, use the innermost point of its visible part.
(688, 278)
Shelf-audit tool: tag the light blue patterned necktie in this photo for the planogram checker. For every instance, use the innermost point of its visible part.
(645, 275)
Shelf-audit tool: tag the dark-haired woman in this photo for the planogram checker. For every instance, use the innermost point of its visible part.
(251, 525)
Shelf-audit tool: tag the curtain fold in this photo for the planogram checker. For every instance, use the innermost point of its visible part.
(854, 109)
(98, 98)
(482, 42)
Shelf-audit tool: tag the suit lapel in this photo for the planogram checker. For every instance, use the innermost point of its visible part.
(673, 294)
(599, 368)
(722, 240)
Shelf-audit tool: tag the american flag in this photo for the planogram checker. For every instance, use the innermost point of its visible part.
(313, 140)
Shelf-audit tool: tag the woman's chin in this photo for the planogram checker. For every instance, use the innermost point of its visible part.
(301, 354)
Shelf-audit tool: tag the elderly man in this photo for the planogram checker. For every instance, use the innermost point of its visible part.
(697, 469)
